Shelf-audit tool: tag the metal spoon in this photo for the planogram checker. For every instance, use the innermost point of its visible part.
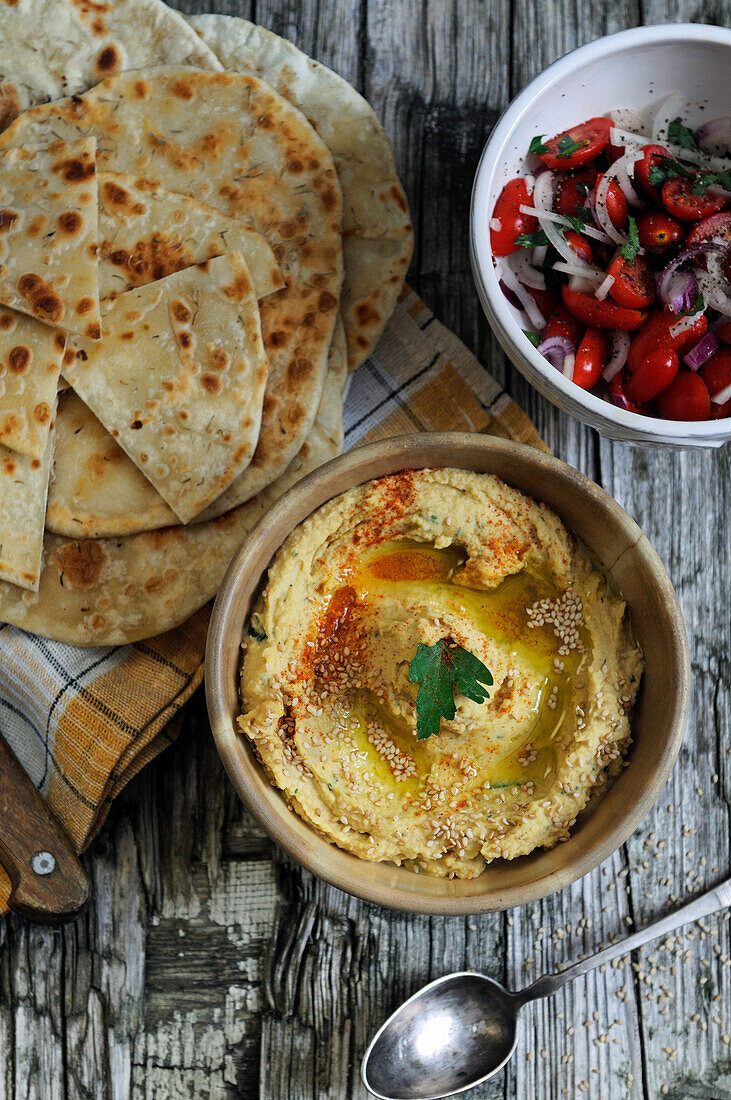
(461, 1029)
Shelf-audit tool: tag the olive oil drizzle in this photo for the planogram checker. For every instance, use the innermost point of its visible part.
(427, 574)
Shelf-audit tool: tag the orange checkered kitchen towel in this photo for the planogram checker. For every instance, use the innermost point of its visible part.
(84, 721)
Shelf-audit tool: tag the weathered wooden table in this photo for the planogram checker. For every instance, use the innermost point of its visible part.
(209, 966)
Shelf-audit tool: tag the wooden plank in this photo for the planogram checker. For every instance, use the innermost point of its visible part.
(36, 963)
(683, 845)
(273, 966)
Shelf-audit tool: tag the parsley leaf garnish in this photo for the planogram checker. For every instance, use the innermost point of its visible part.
(438, 669)
(579, 219)
(632, 247)
(567, 146)
(537, 146)
(681, 135)
(666, 169)
(532, 240)
(533, 337)
(704, 180)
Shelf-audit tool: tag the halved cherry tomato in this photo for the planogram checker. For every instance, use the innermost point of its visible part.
(512, 221)
(616, 204)
(679, 200)
(657, 231)
(716, 371)
(604, 314)
(578, 145)
(572, 189)
(633, 284)
(563, 323)
(686, 398)
(618, 387)
(545, 300)
(580, 245)
(654, 374)
(724, 332)
(651, 158)
(590, 358)
(715, 228)
(655, 333)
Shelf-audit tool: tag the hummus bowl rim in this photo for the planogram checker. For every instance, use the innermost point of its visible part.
(503, 884)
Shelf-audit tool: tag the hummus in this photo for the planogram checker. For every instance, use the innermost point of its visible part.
(329, 708)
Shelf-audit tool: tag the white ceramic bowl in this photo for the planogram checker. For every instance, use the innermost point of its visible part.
(634, 68)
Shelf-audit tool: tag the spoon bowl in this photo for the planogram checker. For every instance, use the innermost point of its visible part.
(461, 1029)
(454, 1033)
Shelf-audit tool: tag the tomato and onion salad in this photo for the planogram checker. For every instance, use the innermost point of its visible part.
(616, 248)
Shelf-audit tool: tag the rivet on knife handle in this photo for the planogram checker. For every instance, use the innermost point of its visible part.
(48, 882)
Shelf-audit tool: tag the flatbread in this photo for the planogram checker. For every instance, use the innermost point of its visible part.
(377, 228)
(48, 233)
(30, 367)
(97, 491)
(179, 379)
(230, 141)
(55, 48)
(146, 233)
(113, 591)
(23, 490)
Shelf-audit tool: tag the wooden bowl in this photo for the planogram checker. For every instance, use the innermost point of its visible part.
(617, 546)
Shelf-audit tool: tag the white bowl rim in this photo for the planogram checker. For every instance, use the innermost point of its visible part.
(491, 296)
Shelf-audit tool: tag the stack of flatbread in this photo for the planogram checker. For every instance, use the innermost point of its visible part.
(201, 233)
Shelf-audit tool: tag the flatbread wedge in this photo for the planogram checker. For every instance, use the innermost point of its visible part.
(30, 367)
(146, 233)
(230, 141)
(97, 491)
(377, 231)
(23, 491)
(55, 48)
(179, 379)
(113, 591)
(48, 233)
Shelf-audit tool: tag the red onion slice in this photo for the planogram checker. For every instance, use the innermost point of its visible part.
(702, 351)
(703, 248)
(513, 299)
(722, 396)
(714, 295)
(527, 303)
(679, 291)
(715, 136)
(520, 263)
(669, 109)
(560, 353)
(618, 357)
(683, 324)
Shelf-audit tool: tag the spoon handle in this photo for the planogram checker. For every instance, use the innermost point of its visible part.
(717, 898)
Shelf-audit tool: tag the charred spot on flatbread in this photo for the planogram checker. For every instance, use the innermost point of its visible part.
(8, 218)
(9, 105)
(75, 169)
(43, 301)
(108, 61)
(19, 359)
(80, 564)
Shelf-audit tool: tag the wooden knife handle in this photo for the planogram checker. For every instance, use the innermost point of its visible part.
(49, 884)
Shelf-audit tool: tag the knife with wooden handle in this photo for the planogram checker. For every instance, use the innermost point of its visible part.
(48, 882)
